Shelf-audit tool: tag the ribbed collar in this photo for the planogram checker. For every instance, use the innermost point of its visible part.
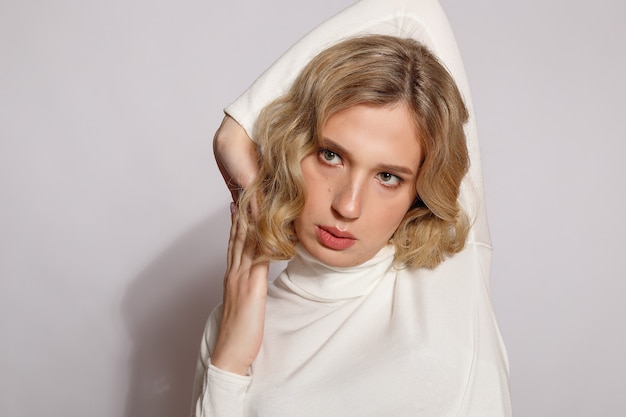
(314, 280)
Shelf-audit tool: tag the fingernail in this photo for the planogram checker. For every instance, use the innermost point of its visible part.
(233, 208)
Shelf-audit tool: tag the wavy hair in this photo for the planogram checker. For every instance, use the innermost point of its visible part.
(375, 70)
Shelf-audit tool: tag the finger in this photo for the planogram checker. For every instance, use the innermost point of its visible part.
(239, 243)
(248, 254)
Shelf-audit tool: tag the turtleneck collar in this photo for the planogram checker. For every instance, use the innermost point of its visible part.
(314, 280)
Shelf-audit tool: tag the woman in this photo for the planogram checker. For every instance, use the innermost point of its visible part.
(361, 167)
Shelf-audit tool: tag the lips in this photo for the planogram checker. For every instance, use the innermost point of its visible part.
(333, 238)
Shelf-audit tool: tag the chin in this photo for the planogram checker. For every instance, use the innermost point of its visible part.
(336, 258)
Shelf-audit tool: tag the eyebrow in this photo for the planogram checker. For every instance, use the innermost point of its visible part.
(335, 147)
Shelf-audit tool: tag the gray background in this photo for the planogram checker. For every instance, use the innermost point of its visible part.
(113, 218)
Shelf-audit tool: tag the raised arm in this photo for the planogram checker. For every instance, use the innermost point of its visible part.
(235, 154)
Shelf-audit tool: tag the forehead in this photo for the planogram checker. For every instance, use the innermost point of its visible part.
(385, 132)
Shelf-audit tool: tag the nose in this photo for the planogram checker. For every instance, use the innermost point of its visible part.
(347, 200)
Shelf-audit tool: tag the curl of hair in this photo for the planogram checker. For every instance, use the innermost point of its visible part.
(375, 70)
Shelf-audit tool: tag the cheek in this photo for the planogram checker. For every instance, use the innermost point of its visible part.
(318, 187)
(393, 215)
(393, 221)
(316, 200)
(316, 206)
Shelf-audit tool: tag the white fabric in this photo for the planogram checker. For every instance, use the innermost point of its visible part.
(371, 340)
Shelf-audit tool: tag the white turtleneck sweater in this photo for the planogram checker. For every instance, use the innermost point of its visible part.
(371, 340)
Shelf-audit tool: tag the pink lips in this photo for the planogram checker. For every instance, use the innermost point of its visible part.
(333, 238)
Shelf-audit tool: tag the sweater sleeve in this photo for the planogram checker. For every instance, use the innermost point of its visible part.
(216, 393)
(402, 18)
(487, 392)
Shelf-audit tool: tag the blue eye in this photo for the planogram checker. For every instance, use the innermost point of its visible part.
(389, 180)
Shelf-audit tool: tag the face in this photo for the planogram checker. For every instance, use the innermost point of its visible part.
(360, 183)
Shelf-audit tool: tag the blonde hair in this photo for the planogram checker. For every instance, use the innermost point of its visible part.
(376, 70)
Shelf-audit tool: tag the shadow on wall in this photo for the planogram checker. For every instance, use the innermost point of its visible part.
(165, 309)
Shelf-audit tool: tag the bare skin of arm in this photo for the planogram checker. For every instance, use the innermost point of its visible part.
(245, 287)
(236, 156)
(245, 282)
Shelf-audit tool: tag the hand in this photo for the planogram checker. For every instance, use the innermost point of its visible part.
(245, 288)
(236, 156)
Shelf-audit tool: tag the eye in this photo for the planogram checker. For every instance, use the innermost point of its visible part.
(389, 180)
(329, 157)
